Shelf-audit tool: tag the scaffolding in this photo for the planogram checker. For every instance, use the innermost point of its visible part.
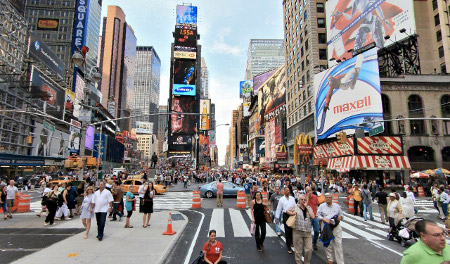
(400, 58)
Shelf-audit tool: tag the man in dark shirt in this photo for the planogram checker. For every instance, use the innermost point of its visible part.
(117, 196)
(382, 204)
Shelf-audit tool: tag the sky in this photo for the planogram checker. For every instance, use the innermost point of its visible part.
(225, 29)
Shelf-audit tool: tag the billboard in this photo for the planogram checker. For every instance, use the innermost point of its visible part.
(186, 14)
(184, 77)
(185, 44)
(48, 141)
(212, 137)
(348, 95)
(205, 110)
(353, 24)
(180, 144)
(89, 142)
(245, 108)
(42, 53)
(75, 137)
(144, 127)
(80, 30)
(259, 80)
(260, 145)
(183, 123)
(47, 24)
(69, 101)
(47, 92)
(272, 96)
(245, 89)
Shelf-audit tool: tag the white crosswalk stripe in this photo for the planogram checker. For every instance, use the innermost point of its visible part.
(217, 222)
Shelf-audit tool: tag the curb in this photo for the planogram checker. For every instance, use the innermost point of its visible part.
(179, 233)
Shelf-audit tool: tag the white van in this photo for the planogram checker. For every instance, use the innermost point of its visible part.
(117, 170)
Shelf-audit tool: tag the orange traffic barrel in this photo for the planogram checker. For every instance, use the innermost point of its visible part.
(421, 192)
(196, 200)
(265, 198)
(351, 205)
(240, 200)
(335, 198)
(23, 203)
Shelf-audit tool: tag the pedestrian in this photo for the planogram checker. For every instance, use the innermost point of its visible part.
(219, 188)
(407, 205)
(79, 197)
(86, 212)
(258, 208)
(63, 211)
(141, 192)
(130, 200)
(101, 204)
(367, 201)
(154, 160)
(3, 201)
(357, 198)
(148, 204)
(213, 250)
(374, 189)
(381, 197)
(431, 248)
(44, 197)
(394, 208)
(52, 205)
(286, 202)
(445, 200)
(331, 214)
(313, 202)
(435, 195)
(248, 194)
(273, 203)
(410, 194)
(117, 194)
(71, 195)
(11, 191)
(185, 181)
(302, 237)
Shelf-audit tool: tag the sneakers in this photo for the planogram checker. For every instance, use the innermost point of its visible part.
(46, 224)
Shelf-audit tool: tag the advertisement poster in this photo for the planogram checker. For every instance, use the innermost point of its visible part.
(70, 101)
(45, 55)
(184, 77)
(272, 96)
(212, 137)
(205, 106)
(348, 95)
(245, 89)
(50, 142)
(180, 144)
(183, 123)
(245, 107)
(185, 43)
(89, 143)
(353, 24)
(260, 146)
(259, 80)
(186, 14)
(75, 137)
(144, 127)
(48, 93)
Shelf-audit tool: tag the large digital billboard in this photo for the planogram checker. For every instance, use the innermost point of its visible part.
(48, 93)
(184, 77)
(245, 89)
(144, 127)
(180, 144)
(185, 41)
(205, 106)
(353, 24)
(181, 123)
(272, 96)
(348, 95)
(259, 80)
(44, 54)
(186, 14)
(49, 142)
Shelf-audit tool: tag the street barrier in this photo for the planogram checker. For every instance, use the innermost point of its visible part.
(196, 200)
(351, 205)
(240, 200)
(335, 198)
(421, 192)
(169, 230)
(23, 203)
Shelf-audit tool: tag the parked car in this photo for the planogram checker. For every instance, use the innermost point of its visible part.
(229, 189)
(136, 183)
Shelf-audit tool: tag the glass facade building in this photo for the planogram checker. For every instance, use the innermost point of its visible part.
(264, 55)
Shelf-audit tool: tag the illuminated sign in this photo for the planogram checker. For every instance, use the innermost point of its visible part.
(47, 24)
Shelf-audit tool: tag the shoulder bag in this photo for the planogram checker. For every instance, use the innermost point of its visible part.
(291, 220)
(267, 215)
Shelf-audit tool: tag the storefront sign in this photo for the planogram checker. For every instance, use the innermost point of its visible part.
(333, 149)
(379, 145)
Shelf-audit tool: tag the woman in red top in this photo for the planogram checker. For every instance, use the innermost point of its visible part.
(212, 250)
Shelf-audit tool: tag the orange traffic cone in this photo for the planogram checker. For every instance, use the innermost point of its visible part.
(169, 230)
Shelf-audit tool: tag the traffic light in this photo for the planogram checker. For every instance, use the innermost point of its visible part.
(343, 138)
(29, 139)
(338, 137)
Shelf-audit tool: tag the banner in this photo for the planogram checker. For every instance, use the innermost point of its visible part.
(245, 107)
(272, 96)
(379, 145)
(348, 95)
(259, 80)
(144, 127)
(75, 137)
(245, 89)
(49, 94)
(49, 142)
(353, 24)
(260, 145)
(42, 53)
(180, 144)
(205, 105)
(181, 123)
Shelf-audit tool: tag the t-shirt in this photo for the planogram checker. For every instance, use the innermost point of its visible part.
(247, 188)
(382, 197)
(419, 253)
(102, 200)
(313, 202)
(219, 188)
(274, 200)
(129, 204)
(214, 251)
(11, 192)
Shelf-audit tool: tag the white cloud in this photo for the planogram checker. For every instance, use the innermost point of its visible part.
(219, 46)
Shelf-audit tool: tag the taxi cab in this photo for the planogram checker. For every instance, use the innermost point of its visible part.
(62, 180)
(136, 183)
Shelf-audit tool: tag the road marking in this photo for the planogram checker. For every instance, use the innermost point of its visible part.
(359, 232)
(217, 222)
(390, 249)
(240, 228)
(191, 248)
(269, 231)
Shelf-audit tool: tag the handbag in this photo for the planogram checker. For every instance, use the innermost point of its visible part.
(291, 220)
(134, 205)
(267, 217)
(252, 229)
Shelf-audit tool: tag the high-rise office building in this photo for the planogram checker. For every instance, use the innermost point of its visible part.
(204, 88)
(162, 128)
(146, 85)
(264, 55)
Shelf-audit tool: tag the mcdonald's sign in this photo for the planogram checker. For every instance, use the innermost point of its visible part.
(303, 148)
(281, 152)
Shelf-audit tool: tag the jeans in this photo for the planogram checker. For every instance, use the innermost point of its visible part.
(444, 209)
(116, 210)
(101, 219)
(3, 205)
(368, 206)
(315, 224)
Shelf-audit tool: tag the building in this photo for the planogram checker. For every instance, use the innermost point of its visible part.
(305, 46)
(233, 138)
(162, 128)
(204, 88)
(146, 85)
(264, 55)
(147, 144)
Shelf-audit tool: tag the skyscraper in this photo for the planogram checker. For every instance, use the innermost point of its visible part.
(263, 55)
(162, 128)
(204, 88)
(146, 85)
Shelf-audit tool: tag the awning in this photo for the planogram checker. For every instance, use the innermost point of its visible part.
(369, 163)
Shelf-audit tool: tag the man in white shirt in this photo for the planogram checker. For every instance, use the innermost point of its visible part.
(286, 202)
(11, 191)
(101, 204)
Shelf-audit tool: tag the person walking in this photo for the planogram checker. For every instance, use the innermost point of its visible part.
(79, 197)
(431, 248)
(313, 202)
(86, 213)
(154, 160)
(141, 192)
(357, 199)
(3, 201)
(129, 200)
(248, 194)
(11, 191)
(63, 211)
(71, 195)
(410, 194)
(117, 194)
(367, 202)
(394, 207)
(219, 188)
(148, 204)
(381, 197)
(286, 202)
(302, 237)
(43, 198)
(331, 214)
(273, 203)
(52, 205)
(407, 205)
(213, 250)
(445, 200)
(258, 219)
(435, 195)
(101, 205)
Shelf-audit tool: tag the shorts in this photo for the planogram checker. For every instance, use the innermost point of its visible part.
(129, 213)
(10, 202)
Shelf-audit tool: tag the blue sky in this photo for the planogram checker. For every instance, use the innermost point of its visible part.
(225, 27)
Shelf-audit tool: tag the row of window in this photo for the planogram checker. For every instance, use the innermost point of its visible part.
(295, 117)
(50, 2)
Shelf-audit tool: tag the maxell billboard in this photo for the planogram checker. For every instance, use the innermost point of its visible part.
(348, 95)
(353, 24)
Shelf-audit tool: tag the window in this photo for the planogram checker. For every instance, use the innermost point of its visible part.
(322, 54)
(309, 107)
(441, 52)
(439, 35)
(386, 113)
(309, 90)
(445, 108)
(443, 68)
(421, 154)
(304, 110)
(302, 52)
(321, 22)
(322, 38)
(415, 109)
(435, 4)
(306, 45)
(446, 154)
(320, 7)
(436, 20)
(305, 15)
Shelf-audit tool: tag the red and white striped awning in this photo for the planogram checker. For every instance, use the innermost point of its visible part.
(370, 163)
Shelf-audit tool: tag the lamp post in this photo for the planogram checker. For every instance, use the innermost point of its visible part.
(80, 61)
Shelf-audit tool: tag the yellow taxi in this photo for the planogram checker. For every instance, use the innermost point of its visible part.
(136, 183)
(61, 180)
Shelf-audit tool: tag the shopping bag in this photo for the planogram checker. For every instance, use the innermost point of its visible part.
(252, 229)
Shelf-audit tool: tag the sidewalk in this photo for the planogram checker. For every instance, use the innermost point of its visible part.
(142, 245)
(179, 187)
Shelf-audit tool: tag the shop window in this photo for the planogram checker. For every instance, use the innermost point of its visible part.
(386, 113)
(421, 154)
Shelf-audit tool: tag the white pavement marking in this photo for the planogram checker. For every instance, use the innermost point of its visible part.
(191, 248)
(368, 222)
(359, 232)
(390, 249)
(239, 226)
(269, 231)
(217, 222)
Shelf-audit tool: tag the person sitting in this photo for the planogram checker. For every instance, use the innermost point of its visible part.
(213, 250)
